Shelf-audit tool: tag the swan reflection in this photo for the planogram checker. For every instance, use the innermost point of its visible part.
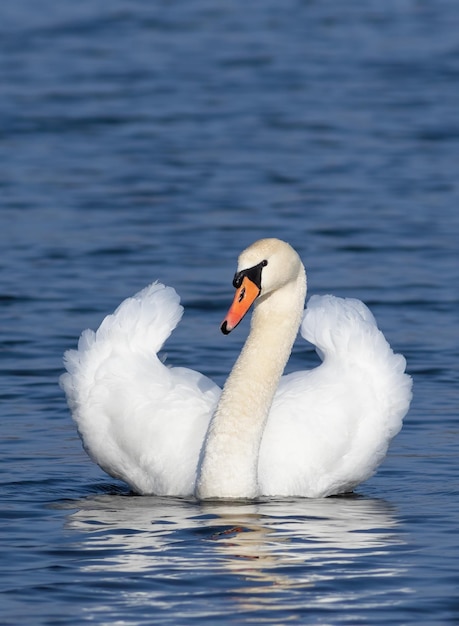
(251, 550)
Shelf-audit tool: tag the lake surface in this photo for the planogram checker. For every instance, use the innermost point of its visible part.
(144, 141)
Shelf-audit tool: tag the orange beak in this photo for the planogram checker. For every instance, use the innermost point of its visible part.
(243, 299)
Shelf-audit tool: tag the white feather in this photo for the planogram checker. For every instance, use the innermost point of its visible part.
(139, 420)
(146, 423)
(330, 427)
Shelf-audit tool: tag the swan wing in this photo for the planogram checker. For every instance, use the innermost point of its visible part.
(330, 427)
(141, 421)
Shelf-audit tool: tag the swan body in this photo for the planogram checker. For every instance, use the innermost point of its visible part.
(171, 431)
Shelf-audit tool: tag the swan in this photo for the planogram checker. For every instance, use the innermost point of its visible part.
(171, 431)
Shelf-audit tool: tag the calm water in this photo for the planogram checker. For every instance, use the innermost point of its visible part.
(156, 140)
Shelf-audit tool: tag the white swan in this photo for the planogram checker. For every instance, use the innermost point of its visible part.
(169, 431)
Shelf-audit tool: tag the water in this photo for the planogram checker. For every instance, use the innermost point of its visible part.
(156, 140)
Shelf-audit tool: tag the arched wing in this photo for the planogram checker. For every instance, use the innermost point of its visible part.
(141, 421)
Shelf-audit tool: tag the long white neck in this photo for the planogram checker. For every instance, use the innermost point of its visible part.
(229, 459)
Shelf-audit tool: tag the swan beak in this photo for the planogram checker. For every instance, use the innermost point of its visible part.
(243, 299)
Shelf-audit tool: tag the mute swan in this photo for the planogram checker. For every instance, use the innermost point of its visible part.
(170, 431)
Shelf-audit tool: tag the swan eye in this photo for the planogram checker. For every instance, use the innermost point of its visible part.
(253, 273)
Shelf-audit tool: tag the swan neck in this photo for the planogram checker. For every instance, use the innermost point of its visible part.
(229, 464)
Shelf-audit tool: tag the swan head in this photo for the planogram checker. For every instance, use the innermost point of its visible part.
(263, 268)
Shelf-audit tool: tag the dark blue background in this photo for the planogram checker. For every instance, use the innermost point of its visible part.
(143, 141)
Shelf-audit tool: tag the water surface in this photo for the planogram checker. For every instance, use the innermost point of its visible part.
(143, 141)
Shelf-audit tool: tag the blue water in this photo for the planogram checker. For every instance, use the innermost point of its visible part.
(156, 140)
